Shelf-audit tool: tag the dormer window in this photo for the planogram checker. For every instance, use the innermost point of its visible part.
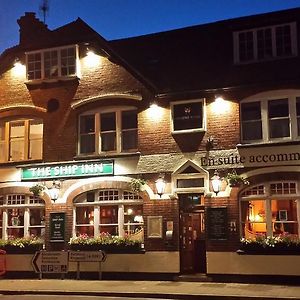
(265, 43)
(52, 63)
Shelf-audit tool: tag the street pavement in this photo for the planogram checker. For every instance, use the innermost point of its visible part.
(149, 289)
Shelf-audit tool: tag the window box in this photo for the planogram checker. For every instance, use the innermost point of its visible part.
(105, 242)
(278, 245)
(26, 245)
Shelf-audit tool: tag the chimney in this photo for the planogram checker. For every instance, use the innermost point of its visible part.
(31, 29)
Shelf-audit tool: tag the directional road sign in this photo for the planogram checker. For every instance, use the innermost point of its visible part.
(86, 256)
(50, 262)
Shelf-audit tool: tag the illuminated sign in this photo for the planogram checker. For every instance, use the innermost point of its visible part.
(66, 170)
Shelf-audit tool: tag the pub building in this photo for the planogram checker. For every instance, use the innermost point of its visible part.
(176, 112)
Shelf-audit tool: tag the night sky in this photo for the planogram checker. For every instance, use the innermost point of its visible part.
(115, 19)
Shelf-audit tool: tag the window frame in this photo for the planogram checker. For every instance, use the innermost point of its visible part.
(254, 31)
(203, 125)
(6, 141)
(264, 98)
(120, 202)
(30, 202)
(267, 197)
(97, 130)
(59, 63)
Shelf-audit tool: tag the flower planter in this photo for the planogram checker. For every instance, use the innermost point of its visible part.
(279, 249)
(29, 249)
(107, 248)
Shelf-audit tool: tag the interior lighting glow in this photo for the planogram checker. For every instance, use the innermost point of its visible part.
(92, 59)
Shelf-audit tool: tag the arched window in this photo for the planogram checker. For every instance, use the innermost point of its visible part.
(270, 209)
(114, 211)
(21, 215)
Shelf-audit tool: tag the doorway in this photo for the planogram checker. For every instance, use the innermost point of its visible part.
(192, 234)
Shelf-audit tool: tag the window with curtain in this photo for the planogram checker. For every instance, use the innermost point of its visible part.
(114, 211)
(270, 209)
(22, 215)
(21, 140)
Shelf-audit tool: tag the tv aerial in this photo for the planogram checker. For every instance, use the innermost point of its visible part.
(44, 8)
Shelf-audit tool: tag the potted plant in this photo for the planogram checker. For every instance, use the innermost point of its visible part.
(282, 244)
(235, 180)
(22, 245)
(136, 184)
(106, 242)
(37, 189)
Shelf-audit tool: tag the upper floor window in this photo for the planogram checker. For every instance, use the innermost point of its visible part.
(51, 63)
(21, 140)
(265, 119)
(265, 43)
(188, 116)
(108, 131)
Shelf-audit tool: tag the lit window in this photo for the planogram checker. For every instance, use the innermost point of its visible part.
(116, 212)
(51, 63)
(23, 215)
(109, 131)
(270, 210)
(21, 140)
(268, 118)
(188, 116)
(265, 43)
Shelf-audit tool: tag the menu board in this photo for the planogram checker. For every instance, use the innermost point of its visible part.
(57, 227)
(217, 223)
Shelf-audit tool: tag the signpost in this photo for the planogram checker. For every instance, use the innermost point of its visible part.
(87, 256)
(50, 262)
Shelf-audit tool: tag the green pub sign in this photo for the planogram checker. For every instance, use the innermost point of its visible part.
(65, 170)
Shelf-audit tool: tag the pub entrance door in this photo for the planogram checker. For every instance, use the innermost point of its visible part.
(192, 234)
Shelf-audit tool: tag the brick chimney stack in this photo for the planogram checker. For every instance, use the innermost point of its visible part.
(31, 29)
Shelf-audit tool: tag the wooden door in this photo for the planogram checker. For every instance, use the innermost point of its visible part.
(186, 243)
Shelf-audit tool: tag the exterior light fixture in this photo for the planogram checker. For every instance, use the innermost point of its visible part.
(216, 182)
(219, 99)
(54, 190)
(160, 185)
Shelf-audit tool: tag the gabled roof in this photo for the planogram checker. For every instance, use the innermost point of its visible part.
(76, 32)
(201, 57)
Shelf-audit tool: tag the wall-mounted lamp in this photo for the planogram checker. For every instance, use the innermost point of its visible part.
(160, 185)
(216, 182)
(54, 190)
(219, 98)
(209, 143)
